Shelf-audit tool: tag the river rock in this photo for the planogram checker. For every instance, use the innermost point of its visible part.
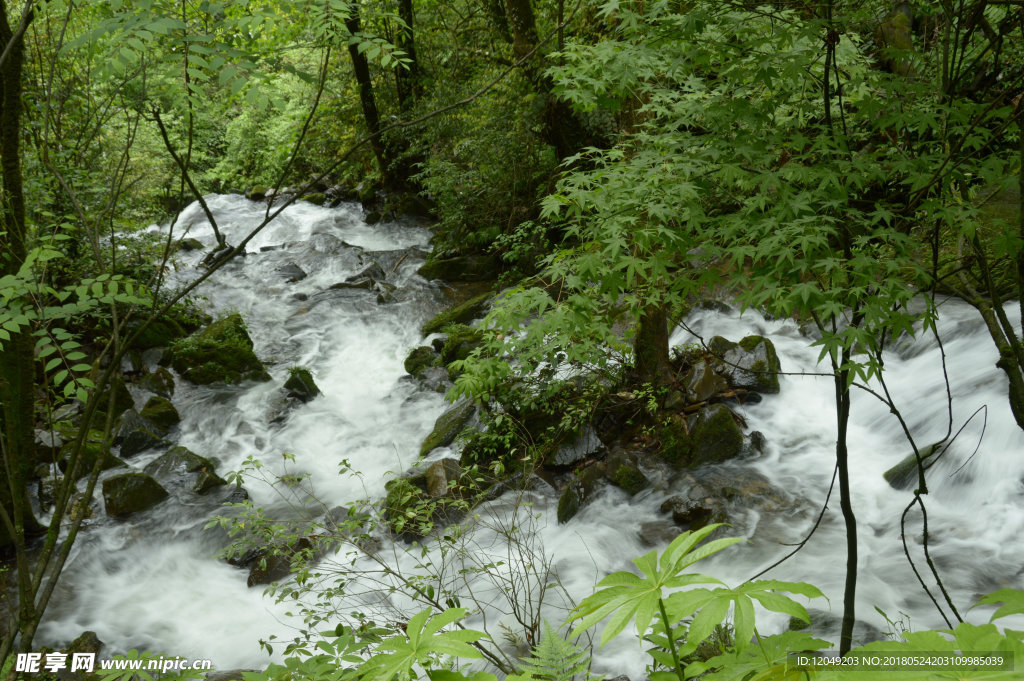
(584, 444)
(441, 475)
(88, 642)
(716, 436)
(460, 314)
(207, 480)
(160, 383)
(177, 461)
(223, 351)
(130, 493)
(461, 268)
(579, 491)
(622, 469)
(300, 385)
(258, 192)
(190, 244)
(718, 494)
(136, 434)
(435, 379)
(702, 383)
(275, 563)
(48, 444)
(751, 364)
(904, 474)
(291, 272)
(48, 486)
(160, 412)
(448, 426)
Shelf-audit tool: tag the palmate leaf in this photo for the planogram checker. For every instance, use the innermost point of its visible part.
(422, 640)
(1012, 602)
(626, 597)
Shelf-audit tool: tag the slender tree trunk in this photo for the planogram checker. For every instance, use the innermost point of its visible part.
(408, 78)
(651, 347)
(361, 67)
(845, 504)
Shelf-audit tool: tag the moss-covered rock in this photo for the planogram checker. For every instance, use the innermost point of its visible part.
(257, 193)
(220, 352)
(461, 341)
(207, 480)
(420, 359)
(92, 449)
(160, 412)
(460, 314)
(316, 198)
(579, 491)
(716, 436)
(130, 493)
(676, 441)
(461, 268)
(751, 364)
(623, 470)
(448, 426)
(190, 244)
(300, 384)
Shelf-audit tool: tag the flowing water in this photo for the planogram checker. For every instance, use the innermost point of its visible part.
(153, 582)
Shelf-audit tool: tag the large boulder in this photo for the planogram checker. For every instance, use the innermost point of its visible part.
(48, 444)
(448, 426)
(716, 436)
(751, 364)
(460, 314)
(130, 493)
(123, 400)
(577, 448)
(220, 352)
(717, 494)
(461, 341)
(179, 461)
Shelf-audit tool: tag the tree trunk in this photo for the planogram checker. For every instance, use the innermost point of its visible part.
(361, 67)
(562, 129)
(408, 78)
(651, 347)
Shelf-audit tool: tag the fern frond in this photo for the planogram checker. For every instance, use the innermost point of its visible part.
(555, 659)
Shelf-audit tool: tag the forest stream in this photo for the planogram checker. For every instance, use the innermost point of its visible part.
(154, 581)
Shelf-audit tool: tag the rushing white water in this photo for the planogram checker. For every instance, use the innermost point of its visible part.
(153, 581)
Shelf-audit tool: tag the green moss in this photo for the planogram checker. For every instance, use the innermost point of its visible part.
(420, 359)
(629, 479)
(676, 443)
(716, 436)
(257, 193)
(300, 384)
(460, 314)
(461, 268)
(316, 198)
(221, 352)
